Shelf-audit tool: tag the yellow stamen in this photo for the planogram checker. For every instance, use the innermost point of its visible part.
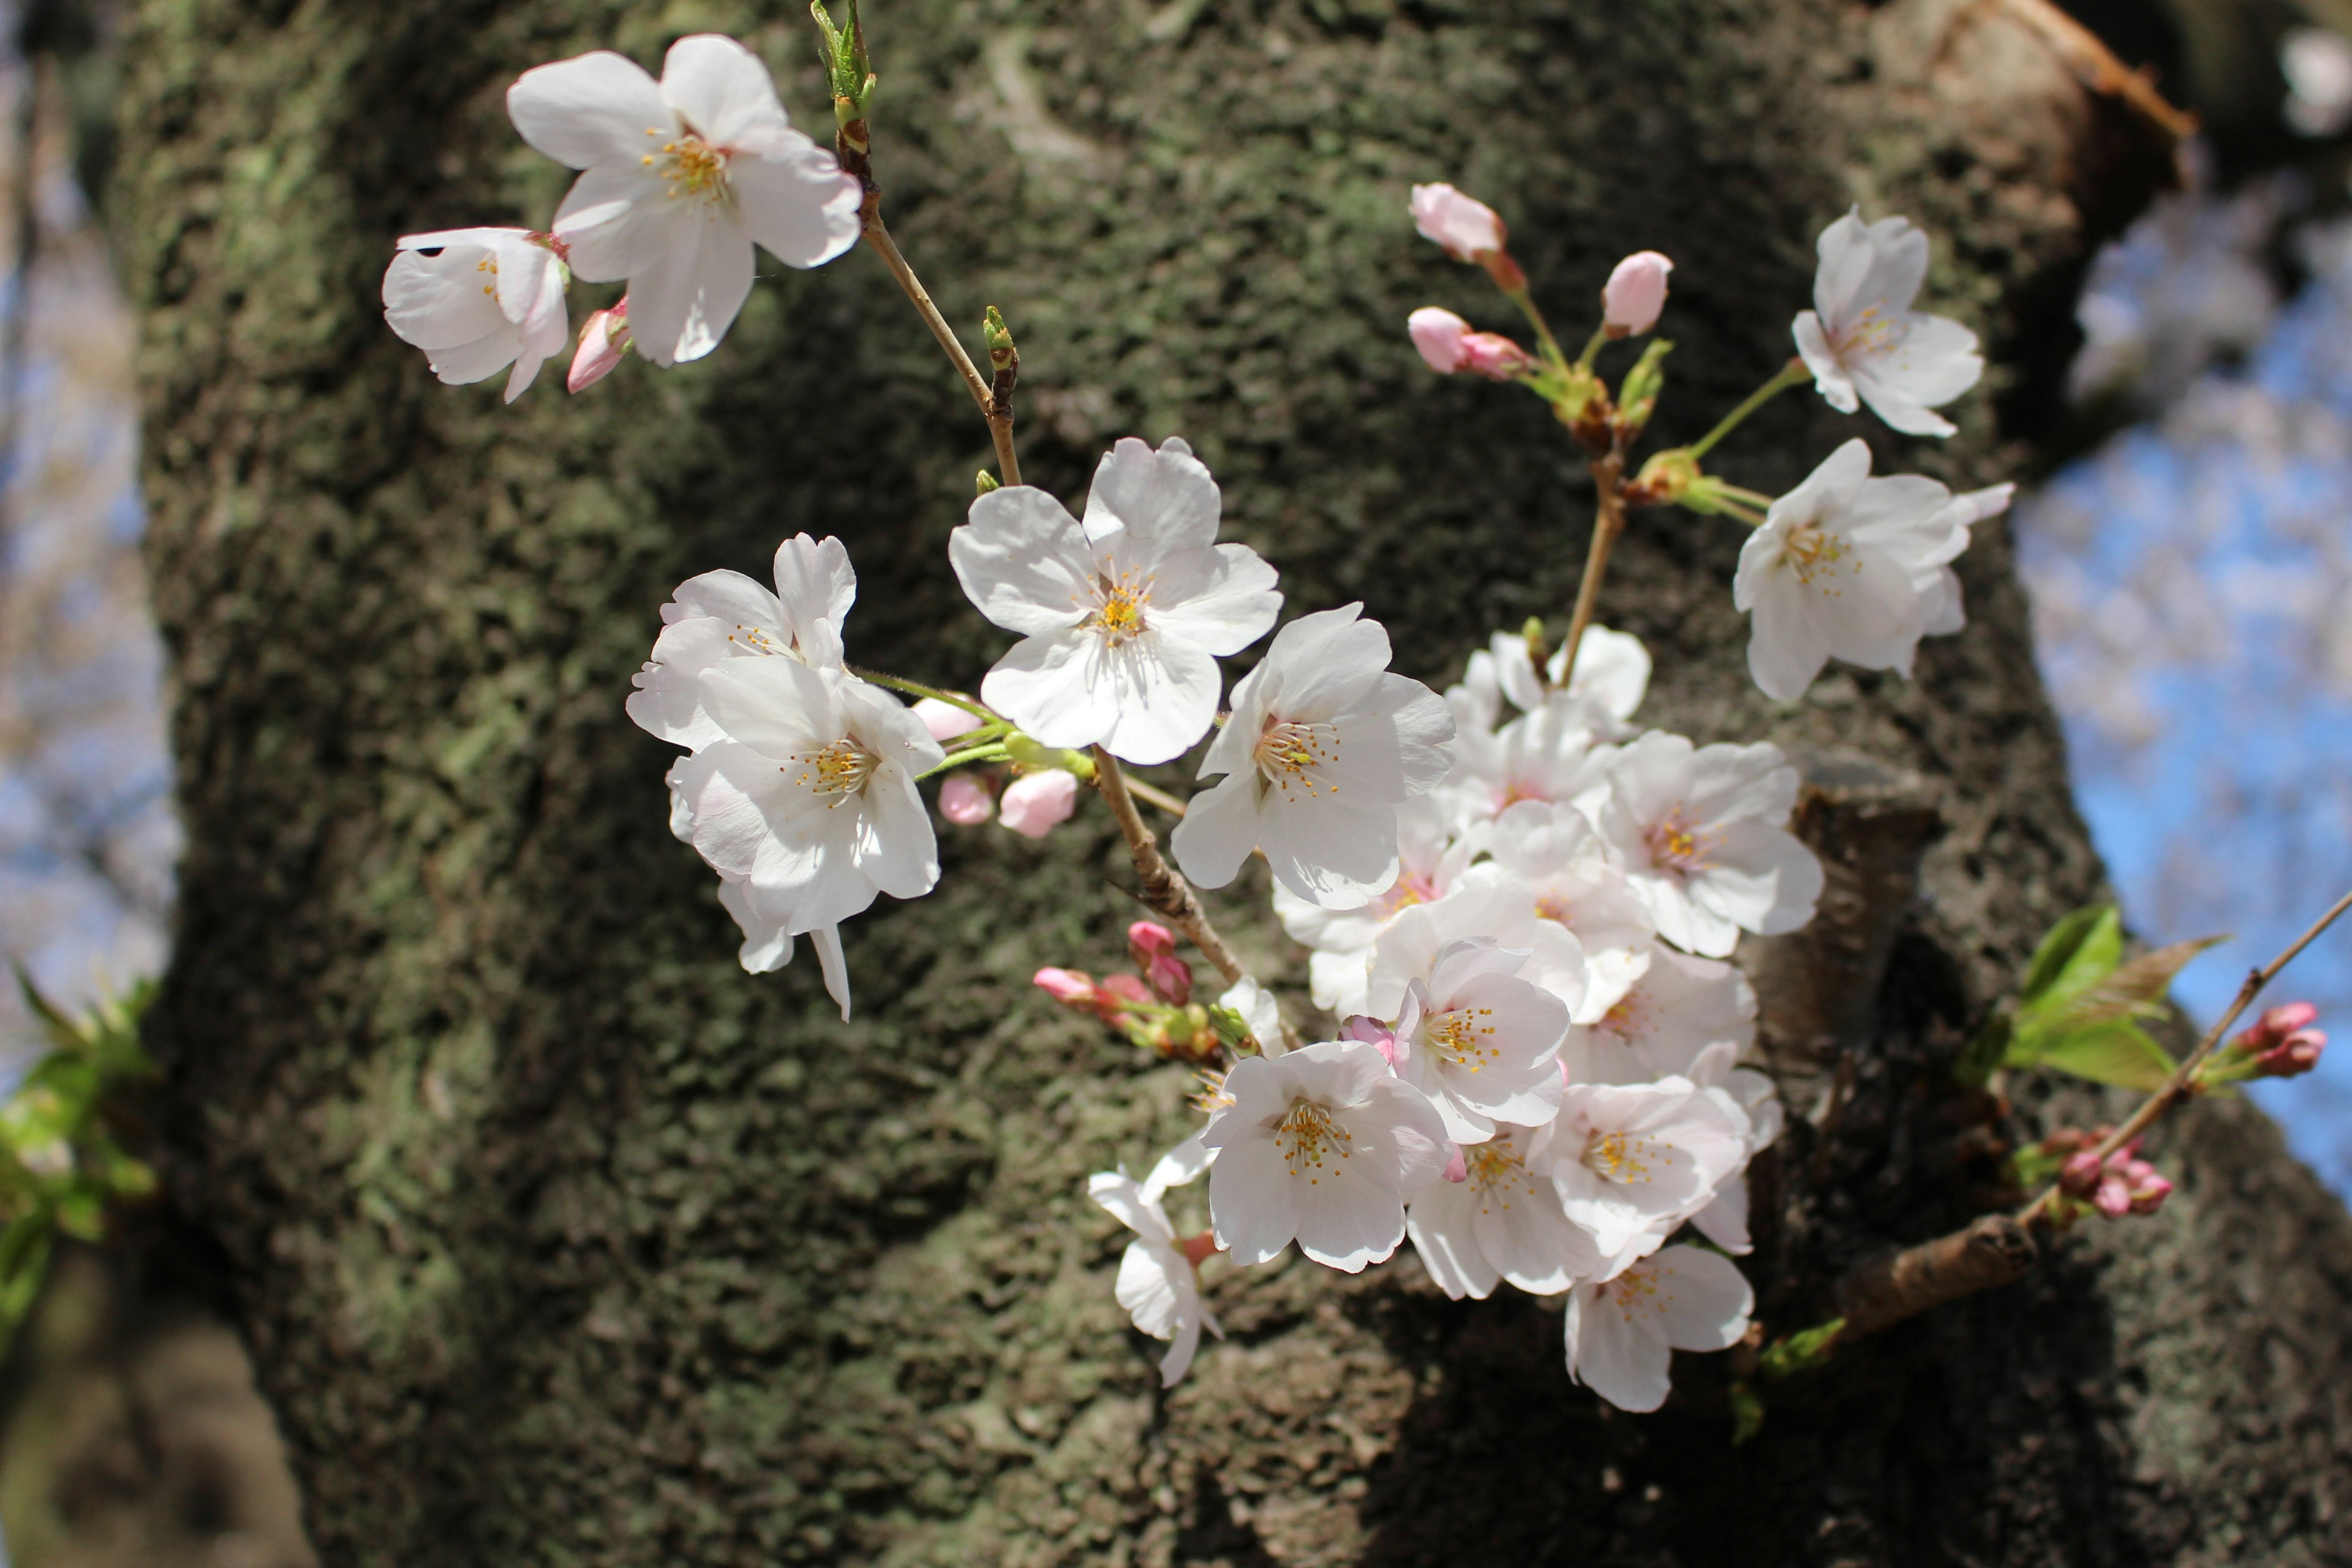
(1293, 752)
(1306, 1135)
(839, 770)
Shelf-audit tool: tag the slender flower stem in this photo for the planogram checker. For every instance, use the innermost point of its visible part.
(1741, 493)
(1593, 347)
(1746, 514)
(1608, 523)
(1164, 888)
(1527, 304)
(1793, 374)
(992, 752)
(1000, 430)
(2183, 1083)
(917, 688)
(1152, 796)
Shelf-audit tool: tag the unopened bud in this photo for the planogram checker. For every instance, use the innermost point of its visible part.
(964, 799)
(1457, 1169)
(1372, 1032)
(945, 720)
(1172, 979)
(2293, 1057)
(983, 482)
(603, 339)
(1636, 293)
(1147, 940)
(1070, 988)
(1638, 397)
(2079, 1176)
(1036, 803)
(1468, 228)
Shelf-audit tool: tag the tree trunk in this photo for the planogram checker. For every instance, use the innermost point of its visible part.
(559, 1239)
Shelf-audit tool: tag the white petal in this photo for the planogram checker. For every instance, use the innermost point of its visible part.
(1048, 686)
(1148, 1289)
(1703, 1299)
(1220, 600)
(1328, 852)
(795, 201)
(826, 939)
(719, 88)
(1218, 831)
(617, 221)
(1250, 1202)
(683, 303)
(593, 109)
(1439, 1221)
(1164, 690)
(1022, 562)
(1615, 1353)
(1165, 501)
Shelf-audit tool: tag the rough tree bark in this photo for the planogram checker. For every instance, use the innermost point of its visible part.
(560, 1240)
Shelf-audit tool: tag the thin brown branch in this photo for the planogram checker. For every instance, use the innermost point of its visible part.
(1993, 1251)
(2182, 1084)
(2095, 66)
(1000, 427)
(1608, 523)
(1164, 889)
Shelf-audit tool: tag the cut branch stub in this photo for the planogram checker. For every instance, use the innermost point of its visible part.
(1992, 1251)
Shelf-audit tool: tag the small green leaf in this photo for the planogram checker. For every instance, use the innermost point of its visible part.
(1985, 1052)
(2094, 936)
(1746, 1413)
(1794, 1352)
(2118, 1052)
(2135, 988)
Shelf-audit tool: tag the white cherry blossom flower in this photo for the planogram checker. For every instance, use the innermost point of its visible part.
(1612, 671)
(1621, 1333)
(1846, 566)
(1502, 1221)
(1481, 1043)
(1724, 1221)
(1550, 755)
(1553, 852)
(1492, 908)
(1123, 617)
(1633, 1161)
(1698, 832)
(811, 794)
(1320, 1145)
(1863, 338)
(1678, 1007)
(1157, 1283)
(1945, 613)
(678, 179)
(767, 945)
(1323, 745)
(1429, 855)
(478, 299)
(722, 615)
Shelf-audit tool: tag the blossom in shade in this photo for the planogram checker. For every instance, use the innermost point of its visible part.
(767, 945)
(1633, 1161)
(1862, 339)
(1320, 1145)
(811, 792)
(478, 299)
(1698, 832)
(1947, 615)
(1429, 855)
(603, 339)
(1635, 294)
(724, 616)
(1467, 227)
(964, 799)
(1158, 1281)
(1036, 802)
(1323, 746)
(1502, 1220)
(1724, 1220)
(1123, 617)
(1447, 344)
(1480, 1042)
(1552, 852)
(678, 179)
(1848, 567)
(1621, 1333)
(1676, 1008)
(1612, 671)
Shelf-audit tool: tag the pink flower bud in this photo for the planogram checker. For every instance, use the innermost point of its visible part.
(1637, 292)
(1494, 356)
(1371, 1031)
(1147, 940)
(1439, 335)
(1199, 1249)
(2079, 1176)
(1124, 990)
(2287, 1017)
(1034, 802)
(2148, 1195)
(1457, 1169)
(603, 339)
(2294, 1056)
(1464, 226)
(964, 799)
(1070, 988)
(945, 720)
(1170, 978)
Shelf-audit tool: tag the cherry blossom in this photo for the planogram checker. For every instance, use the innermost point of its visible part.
(1621, 1333)
(1550, 755)
(1676, 1008)
(478, 299)
(1635, 294)
(1323, 745)
(1480, 1042)
(1698, 832)
(1034, 803)
(678, 179)
(767, 945)
(722, 615)
(1429, 855)
(1862, 339)
(1612, 672)
(1502, 1221)
(1319, 1145)
(1848, 567)
(1464, 225)
(1157, 1282)
(1633, 1161)
(1494, 908)
(1552, 854)
(1260, 1013)
(1123, 617)
(811, 792)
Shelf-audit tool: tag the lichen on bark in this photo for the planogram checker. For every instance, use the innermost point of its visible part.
(560, 1240)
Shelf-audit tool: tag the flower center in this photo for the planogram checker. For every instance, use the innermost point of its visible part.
(839, 770)
(1624, 1020)
(1635, 1290)
(1626, 1158)
(1119, 603)
(689, 166)
(1407, 890)
(1871, 333)
(1496, 1167)
(1811, 550)
(1676, 846)
(1290, 751)
(1307, 1136)
(1463, 1038)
